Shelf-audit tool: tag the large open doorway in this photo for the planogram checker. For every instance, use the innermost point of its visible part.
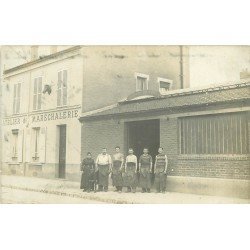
(141, 134)
(62, 151)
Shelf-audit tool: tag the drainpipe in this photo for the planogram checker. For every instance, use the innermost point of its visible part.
(181, 67)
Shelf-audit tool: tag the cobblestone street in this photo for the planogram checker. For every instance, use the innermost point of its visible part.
(18, 189)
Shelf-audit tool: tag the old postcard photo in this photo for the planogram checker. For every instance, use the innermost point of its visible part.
(125, 124)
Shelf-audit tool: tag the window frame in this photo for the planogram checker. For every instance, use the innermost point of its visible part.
(141, 75)
(209, 126)
(160, 79)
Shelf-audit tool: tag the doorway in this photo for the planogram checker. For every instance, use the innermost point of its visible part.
(62, 151)
(144, 134)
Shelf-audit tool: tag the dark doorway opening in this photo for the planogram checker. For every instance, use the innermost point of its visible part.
(62, 151)
(144, 134)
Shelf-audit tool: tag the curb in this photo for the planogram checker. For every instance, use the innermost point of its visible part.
(60, 193)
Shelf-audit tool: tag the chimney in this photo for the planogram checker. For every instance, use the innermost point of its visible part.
(34, 52)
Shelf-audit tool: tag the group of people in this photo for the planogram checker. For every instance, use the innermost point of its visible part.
(124, 172)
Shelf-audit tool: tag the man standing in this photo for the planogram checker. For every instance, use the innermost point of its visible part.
(103, 164)
(145, 169)
(130, 172)
(161, 164)
(118, 160)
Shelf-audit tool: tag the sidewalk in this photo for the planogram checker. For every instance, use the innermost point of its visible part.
(71, 189)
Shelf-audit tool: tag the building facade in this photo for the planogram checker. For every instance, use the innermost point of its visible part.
(204, 132)
(44, 97)
(40, 127)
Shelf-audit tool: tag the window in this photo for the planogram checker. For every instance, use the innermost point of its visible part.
(141, 81)
(14, 143)
(36, 135)
(62, 88)
(37, 94)
(164, 85)
(16, 99)
(214, 134)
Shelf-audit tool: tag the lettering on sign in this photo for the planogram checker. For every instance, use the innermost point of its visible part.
(57, 115)
(43, 117)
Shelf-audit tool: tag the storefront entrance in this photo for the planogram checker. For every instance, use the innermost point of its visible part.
(144, 134)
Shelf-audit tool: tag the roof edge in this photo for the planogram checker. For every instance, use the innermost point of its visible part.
(45, 58)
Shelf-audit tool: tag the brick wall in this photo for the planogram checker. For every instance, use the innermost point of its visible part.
(102, 133)
(210, 166)
(109, 133)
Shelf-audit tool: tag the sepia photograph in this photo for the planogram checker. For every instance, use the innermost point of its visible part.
(125, 124)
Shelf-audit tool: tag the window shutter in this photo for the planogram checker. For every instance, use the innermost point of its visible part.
(42, 145)
(7, 153)
(65, 87)
(28, 146)
(18, 97)
(20, 146)
(33, 141)
(14, 99)
(59, 85)
(39, 96)
(35, 95)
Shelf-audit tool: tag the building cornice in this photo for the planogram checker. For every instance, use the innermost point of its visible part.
(56, 55)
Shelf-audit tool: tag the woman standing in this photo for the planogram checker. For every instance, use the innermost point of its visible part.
(130, 172)
(145, 170)
(118, 160)
(88, 173)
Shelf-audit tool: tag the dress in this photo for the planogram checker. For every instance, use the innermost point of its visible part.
(160, 176)
(145, 176)
(116, 170)
(88, 168)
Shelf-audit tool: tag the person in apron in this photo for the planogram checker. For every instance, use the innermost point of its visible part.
(161, 163)
(103, 164)
(130, 172)
(118, 160)
(88, 173)
(145, 170)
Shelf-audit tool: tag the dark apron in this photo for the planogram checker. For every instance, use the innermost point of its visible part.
(145, 176)
(117, 174)
(130, 177)
(103, 175)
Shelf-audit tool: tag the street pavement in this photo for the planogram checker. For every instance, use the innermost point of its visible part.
(17, 196)
(20, 189)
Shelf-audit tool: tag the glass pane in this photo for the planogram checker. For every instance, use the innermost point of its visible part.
(59, 94)
(64, 96)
